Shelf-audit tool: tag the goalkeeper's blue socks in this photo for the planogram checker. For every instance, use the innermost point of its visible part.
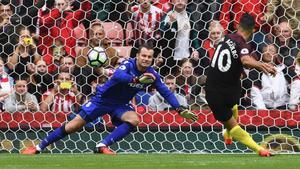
(119, 133)
(56, 135)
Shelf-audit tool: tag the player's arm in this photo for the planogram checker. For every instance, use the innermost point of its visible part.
(250, 62)
(122, 73)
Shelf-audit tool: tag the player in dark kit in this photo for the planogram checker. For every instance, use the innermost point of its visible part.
(113, 98)
(223, 86)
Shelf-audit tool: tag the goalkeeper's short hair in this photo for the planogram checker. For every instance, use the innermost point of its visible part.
(146, 45)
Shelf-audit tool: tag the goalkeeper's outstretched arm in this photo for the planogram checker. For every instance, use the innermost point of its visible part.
(121, 74)
(172, 100)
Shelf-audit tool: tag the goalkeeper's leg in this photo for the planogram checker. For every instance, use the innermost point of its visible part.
(244, 137)
(56, 135)
(226, 134)
(129, 121)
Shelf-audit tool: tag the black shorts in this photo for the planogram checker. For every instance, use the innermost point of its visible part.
(222, 101)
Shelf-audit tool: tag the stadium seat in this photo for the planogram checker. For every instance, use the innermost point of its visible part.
(114, 33)
(123, 51)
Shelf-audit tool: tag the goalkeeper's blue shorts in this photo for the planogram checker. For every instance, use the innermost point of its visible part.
(92, 110)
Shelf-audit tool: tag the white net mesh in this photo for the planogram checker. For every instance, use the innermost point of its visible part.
(46, 41)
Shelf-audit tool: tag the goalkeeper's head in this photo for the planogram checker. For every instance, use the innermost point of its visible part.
(246, 26)
(144, 57)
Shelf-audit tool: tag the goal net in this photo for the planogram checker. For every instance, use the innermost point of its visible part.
(44, 68)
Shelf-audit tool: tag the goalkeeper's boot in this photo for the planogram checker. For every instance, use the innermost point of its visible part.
(227, 137)
(30, 150)
(265, 153)
(104, 150)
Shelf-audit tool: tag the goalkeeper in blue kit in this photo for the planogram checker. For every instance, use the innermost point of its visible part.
(113, 98)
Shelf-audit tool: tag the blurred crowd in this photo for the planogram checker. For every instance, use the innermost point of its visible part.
(44, 46)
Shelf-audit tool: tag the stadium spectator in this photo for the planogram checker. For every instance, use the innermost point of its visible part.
(145, 20)
(24, 55)
(6, 84)
(272, 92)
(6, 12)
(21, 100)
(80, 34)
(158, 103)
(40, 80)
(141, 99)
(80, 74)
(179, 36)
(59, 23)
(277, 9)
(63, 97)
(110, 11)
(8, 37)
(27, 11)
(232, 11)
(3, 96)
(297, 67)
(190, 85)
(204, 11)
(4, 73)
(216, 33)
(288, 47)
(164, 5)
(96, 39)
(52, 58)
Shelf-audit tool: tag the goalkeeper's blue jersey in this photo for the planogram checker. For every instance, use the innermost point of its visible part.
(120, 88)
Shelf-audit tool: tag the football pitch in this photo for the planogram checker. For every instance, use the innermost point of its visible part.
(148, 161)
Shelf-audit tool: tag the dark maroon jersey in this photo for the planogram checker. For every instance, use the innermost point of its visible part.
(226, 67)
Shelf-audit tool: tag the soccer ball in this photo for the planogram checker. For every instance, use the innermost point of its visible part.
(97, 57)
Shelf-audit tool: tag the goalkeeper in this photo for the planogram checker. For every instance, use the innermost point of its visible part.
(113, 98)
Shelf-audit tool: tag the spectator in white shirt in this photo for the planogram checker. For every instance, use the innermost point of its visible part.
(21, 100)
(180, 39)
(158, 103)
(273, 92)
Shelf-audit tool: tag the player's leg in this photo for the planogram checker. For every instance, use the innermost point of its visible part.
(244, 137)
(89, 112)
(128, 120)
(221, 106)
(71, 127)
(57, 134)
(240, 134)
(218, 105)
(225, 132)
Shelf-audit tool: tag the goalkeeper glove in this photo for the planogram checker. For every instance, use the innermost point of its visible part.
(185, 113)
(145, 78)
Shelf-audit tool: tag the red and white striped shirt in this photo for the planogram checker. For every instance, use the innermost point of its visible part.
(61, 103)
(145, 25)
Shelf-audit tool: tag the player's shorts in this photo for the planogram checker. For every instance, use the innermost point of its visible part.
(92, 110)
(221, 102)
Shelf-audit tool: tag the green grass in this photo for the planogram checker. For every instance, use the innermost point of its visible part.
(148, 161)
